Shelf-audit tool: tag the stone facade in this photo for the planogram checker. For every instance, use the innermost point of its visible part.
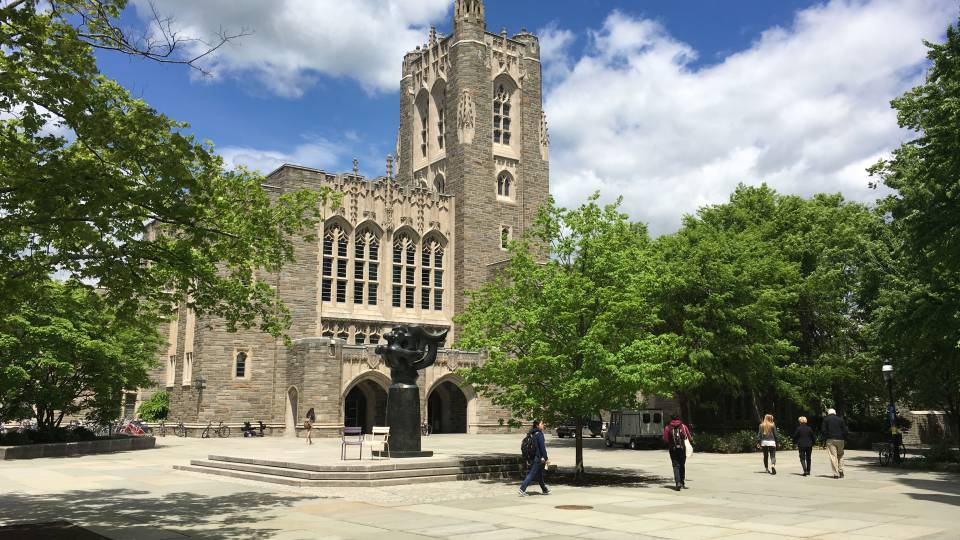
(472, 173)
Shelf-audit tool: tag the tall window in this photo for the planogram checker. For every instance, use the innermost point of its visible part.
(439, 185)
(501, 115)
(504, 237)
(240, 368)
(171, 369)
(441, 123)
(423, 114)
(431, 275)
(334, 265)
(404, 272)
(504, 181)
(366, 268)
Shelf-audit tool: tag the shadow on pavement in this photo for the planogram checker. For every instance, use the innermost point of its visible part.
(594, 477)
(114, 510)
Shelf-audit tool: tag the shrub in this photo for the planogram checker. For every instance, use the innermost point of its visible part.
(733, 443)
(710, 443)
(784, 442)
(742, 441)
(155, 408)
(54, 435)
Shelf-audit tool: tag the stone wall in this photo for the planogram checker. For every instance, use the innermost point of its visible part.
(928, 428)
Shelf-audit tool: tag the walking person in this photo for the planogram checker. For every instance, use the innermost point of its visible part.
(308, 424)
(835, 430)
(539, 461)
(767, 435)
(804, 438)
(676, 434)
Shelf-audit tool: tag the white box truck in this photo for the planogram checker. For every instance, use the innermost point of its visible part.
(635, 429)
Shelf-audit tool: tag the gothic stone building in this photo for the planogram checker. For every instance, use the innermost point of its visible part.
(472, 171)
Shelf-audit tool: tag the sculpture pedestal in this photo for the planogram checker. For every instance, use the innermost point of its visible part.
(403, 417)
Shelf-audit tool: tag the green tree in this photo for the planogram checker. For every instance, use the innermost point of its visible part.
(918, 315)
(725, 298)
(772, 294)
(85, 167)
(67, 349)
(573, 334)
(155, 407)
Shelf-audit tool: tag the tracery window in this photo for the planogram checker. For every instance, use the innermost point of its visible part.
(360, 337)
(366, 267)
(441, 123)
(431, 275)
(501, 115)
(504, 237)
(334, 266)
(504, 181)
(404, 272)
(439, 184)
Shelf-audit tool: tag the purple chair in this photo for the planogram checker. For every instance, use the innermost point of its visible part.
(352, 436)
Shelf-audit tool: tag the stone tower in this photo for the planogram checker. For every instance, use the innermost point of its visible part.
(472, 126)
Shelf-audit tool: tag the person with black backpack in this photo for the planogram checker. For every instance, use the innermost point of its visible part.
(534, 451)
(677, 435)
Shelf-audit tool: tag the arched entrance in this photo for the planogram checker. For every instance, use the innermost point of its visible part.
(447, 409)
(291, 412)
(365, 405)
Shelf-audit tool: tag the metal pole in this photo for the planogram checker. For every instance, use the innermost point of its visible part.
(892, 408)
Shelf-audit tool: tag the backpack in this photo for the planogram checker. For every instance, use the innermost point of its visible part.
(528, 447)
(676, 437)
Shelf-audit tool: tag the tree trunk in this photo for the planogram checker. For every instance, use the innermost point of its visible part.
(756, 407)
(683, 398)
(578, 469)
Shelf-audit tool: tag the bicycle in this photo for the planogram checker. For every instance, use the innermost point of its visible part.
(162, 428)
(892, 450)
(131, 428)
(221, 430)
(180, 430)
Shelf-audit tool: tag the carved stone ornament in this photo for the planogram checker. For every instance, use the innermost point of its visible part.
(373, 359)
(466, 118)
(544, 137)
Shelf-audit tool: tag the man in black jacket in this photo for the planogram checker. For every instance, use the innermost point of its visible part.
(835, 430)
(540, 460)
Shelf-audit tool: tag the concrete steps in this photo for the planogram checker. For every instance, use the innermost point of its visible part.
(377, 473)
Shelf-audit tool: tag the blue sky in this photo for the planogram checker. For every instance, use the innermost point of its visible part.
(683, 99)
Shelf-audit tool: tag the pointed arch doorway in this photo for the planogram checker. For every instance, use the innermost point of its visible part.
(447, 409)
(290, 416)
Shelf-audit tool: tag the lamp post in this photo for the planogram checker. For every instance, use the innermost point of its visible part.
(887, 371)
(198, 385)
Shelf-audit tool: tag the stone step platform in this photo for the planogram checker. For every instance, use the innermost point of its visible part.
(376, 473)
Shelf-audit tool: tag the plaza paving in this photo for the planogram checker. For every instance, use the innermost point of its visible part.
(137, 495)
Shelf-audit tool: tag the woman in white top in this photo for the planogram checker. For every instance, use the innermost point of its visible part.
(767, 435)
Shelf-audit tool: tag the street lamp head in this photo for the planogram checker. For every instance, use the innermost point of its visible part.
(887, 371)
(198, 383)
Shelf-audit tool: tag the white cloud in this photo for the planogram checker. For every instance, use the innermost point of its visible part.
(317, 153)
(555, 43)
(295, 41)
(804, 108)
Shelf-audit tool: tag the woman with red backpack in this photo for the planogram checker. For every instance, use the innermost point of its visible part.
(677, 436)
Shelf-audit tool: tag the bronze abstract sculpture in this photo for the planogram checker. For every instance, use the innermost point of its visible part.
(408, 350)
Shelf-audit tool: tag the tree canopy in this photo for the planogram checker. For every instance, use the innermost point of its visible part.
(67, 349)
(85, 168)
(918, 312)
(574, 334)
